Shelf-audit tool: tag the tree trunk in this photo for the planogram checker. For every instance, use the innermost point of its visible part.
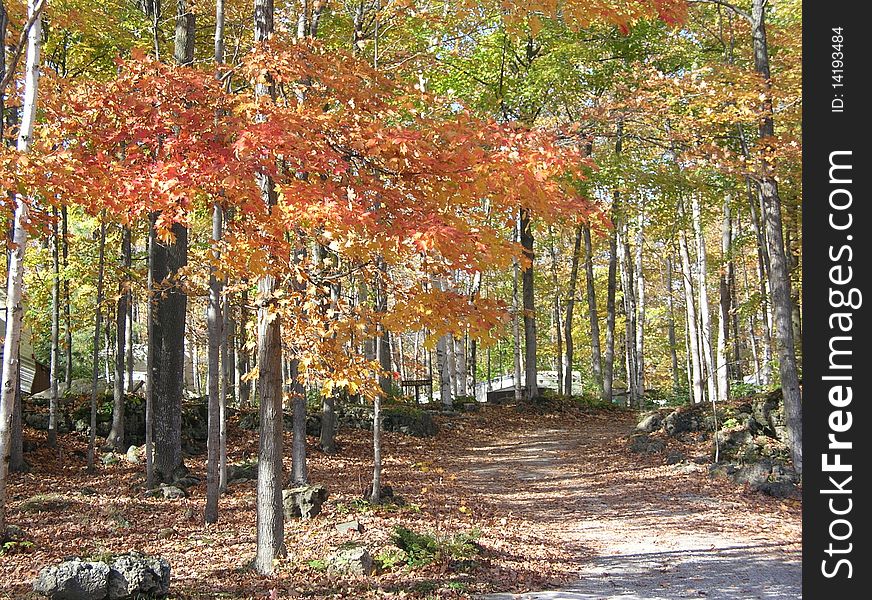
(569, 352)
(55, 335)
(779, 278)
(242, 353)
(516, 327)
(116, 434)
(705, 327)
(214, 327)
(98, 322)
(152, 333)
(593, 313)
(270, 518)
(170, 310)
(722, 364)
(628, 286)
(68, 320)
(698, 394)
(612, 284)
(529, 300)
(670, 327)
(558, 333)
(640, 306)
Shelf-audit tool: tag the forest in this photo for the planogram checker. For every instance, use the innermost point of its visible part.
(401, 298)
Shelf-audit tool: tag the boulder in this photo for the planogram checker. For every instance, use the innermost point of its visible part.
(650, 422)
(768, 413)
(683, 420)
(642, 443)
(349, 527)
(167, 492)
(353, 559)
(74, 580)
(239, 472)
(124, 577)
(133, 455)
(135, 575)
(303, 501)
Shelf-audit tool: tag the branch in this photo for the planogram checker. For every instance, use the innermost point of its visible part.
(19, 49)
(727, 5)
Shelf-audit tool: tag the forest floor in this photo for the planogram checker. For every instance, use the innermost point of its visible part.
(553, 502)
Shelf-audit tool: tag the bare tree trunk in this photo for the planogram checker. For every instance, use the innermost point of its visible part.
(568, 355)
(116, 434)
(68, 321)
(214, 325)
(722, 364)
(628, 286)
(779, 277)
(130, 323)
(150, 360)
(270, 518)
(55, 335)
(593, 313)
(170, 310)
(705, 331)
(690, 304)
(529, 301)
(98, 321)
(640, 306)
(670, 325)
(558, 333)
(516, 326)
(612, 284)
(242, 354)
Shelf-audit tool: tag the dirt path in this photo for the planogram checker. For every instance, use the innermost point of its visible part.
(642, 530)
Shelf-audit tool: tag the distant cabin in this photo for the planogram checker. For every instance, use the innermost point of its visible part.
(34, 375)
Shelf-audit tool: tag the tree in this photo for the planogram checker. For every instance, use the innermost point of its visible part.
(33, 34)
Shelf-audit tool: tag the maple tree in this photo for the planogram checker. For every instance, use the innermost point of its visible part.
(349, 195)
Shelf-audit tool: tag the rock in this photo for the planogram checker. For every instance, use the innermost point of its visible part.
(133, 455)
(74, 580)
(349, 526)
(45, 503)
(754, 474)
(387, 496)
(168, 492)
(166, 533)
(650, 422)
(470, 407)
(125, 577)
(351, 559)
(642, 443)
(109, 458)
(13, 533)
(768, 413)
(780, 489)
(682, 420)
(240, 472)
(674, 457)
(303, 501)
(135, 575)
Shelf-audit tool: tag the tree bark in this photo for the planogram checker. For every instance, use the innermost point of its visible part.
(670, 327)
(214, 326)
(698, 394)
(725, 297)
(558, 333)
(98, 322)
(55, 334)
(779, 277)
(705, 327)
(569, 351)
(531, 387)
(116, 434)
(270, 518)
(170, 309)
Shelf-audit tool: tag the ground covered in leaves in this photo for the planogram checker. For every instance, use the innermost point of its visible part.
(504, 501)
